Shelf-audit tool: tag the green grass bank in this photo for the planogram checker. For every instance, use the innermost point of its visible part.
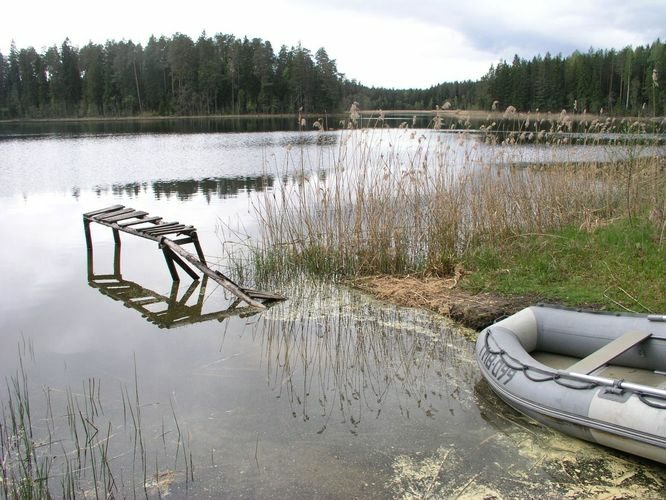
(620, 265)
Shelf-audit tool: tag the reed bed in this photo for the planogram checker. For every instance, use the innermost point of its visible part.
(337, 359)
(407, 201)
(64, 443)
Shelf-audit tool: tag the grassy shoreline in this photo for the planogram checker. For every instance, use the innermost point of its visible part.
(399, 204)
(619, 266)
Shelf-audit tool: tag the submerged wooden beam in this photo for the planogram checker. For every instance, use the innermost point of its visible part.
(215, 275)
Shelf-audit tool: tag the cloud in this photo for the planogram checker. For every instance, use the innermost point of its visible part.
(391, 43)
(526, 26)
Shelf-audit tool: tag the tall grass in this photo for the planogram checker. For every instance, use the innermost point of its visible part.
(336, 358)
(74, 449)
(412, 201)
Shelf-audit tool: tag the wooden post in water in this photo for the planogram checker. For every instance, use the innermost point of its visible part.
(197, 246)
(116, 237)
(86, 230)
(177, 260)
(170, 265)
(89, 262)
(116, 261)
(218, 277)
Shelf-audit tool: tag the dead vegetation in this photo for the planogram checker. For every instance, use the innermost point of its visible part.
(443, 296)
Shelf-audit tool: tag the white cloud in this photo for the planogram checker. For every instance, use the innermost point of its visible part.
(378, 42)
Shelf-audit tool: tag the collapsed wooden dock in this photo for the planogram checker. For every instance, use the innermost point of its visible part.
(166, 310)
(139, 223)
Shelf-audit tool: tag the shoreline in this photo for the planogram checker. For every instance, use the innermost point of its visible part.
(443, 296)
(102, 119)
(472, 114)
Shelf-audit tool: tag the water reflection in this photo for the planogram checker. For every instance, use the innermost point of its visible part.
(165, 311)
(223, 187)
(191, 125)
(335, 356)
(187, 189)
(106, 163)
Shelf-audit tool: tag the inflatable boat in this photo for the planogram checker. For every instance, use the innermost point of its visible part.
(594, 375)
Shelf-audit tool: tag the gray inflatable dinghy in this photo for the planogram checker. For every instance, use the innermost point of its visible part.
(596, 376)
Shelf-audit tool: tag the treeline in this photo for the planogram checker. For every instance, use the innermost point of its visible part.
(227, 75)
(618, 82)
(630, 81)
(169, 76)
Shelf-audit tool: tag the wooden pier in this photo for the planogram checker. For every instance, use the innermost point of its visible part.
(139, 223)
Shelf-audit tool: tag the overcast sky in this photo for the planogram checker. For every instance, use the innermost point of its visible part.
(390, 43)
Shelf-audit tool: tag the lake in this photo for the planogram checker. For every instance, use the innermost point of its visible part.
(330, 394)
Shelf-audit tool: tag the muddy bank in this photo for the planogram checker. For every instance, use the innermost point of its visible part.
(442, 295)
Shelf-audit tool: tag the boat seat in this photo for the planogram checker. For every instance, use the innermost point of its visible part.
(609, 352)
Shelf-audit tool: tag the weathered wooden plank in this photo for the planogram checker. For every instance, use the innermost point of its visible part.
(112, 208)
(162, 225)
(216, 275)
(140, 221)
(167, 230)
(105, 215)
(110, 215)
(183, 241)
(166, 227)
(136, 213)
(259, 294)
(180, 229)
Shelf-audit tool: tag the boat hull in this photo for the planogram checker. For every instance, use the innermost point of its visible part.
(605, 411)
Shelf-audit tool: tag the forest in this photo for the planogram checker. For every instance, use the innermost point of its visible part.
(223, 74)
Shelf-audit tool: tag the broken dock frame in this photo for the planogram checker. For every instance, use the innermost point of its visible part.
(139, 223)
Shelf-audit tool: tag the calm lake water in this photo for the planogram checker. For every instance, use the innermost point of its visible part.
(329, 394)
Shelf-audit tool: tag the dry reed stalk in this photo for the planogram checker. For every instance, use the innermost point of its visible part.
(404, 201)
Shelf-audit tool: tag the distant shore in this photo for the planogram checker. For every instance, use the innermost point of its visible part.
(476, 115)
(145, 118)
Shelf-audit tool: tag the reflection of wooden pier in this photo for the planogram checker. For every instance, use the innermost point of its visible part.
(165, 311)
(139, 223)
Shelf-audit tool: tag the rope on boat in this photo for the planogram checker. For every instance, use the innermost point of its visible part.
(551, 376)
(644, 399)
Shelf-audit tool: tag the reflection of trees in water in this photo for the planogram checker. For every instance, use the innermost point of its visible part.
(212, 188)
(186, 189)
(338, 356)
(131, 190)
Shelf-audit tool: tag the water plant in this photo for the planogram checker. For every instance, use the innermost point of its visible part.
(77, 448)
(418, 201)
